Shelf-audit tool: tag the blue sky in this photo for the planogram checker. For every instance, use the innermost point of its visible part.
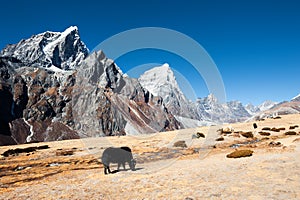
(255, 44)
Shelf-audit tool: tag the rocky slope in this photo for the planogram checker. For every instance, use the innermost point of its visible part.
(106, 102)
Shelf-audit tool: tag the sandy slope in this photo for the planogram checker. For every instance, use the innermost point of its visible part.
(200, 171)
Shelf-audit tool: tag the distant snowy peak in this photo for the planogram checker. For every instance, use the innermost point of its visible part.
(63, 50)
(211, 99)
(296, 98)
(266, 105)
(251, 109)
(210, 109)
(159, 80)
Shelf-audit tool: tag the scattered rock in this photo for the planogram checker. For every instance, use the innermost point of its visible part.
(266, 129)
(200, 135)
(226, 130)
(19, 168)
(290, 133)
(264, 133)
(180, 143)
(277, 117)
(254, 125)
(220, 139)
(275, 129)
(247, 134)
(275, 144)
(240, 154)
(293, 127)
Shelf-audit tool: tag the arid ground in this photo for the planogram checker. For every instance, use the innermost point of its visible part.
(72, 169)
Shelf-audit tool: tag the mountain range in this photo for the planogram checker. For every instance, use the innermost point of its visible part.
(52, 88)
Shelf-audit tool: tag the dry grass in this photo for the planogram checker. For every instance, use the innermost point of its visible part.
(277, 129)
(64, 152)
(290, 133)
(264, 133)
(180, 143)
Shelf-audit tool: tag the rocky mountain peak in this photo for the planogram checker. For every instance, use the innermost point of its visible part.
(266, 105)
(161, 81)
(251, 109)
(63, 50)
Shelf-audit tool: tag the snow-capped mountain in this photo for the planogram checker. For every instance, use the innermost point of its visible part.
(270, 109)
(251, 109)
(210, 109)
(161, 81)
(266, 105)
(63, 50)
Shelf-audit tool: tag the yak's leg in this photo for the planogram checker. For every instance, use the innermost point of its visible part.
(123, 165)
(106, 168)
(119, 164)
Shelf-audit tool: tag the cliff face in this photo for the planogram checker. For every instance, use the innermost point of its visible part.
(105, 102)
(34, 105)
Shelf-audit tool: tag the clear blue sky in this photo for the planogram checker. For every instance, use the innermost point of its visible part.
(255, 44)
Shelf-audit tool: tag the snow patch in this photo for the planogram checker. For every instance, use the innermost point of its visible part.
(192, 123)
(56, 69)
(29, 137)
(267, 105)
(130, 130)
(48, 49)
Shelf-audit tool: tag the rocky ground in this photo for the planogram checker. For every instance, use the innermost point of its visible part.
(72, 169)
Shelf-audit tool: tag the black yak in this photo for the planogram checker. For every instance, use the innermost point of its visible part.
(117, 155)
